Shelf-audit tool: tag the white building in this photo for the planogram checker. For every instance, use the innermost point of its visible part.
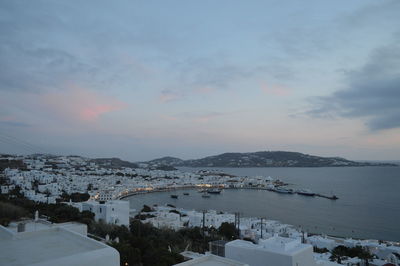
(211, 260)
(275, 251)
(37, 243)
(322, 242)
(112, 212)
(105, 196)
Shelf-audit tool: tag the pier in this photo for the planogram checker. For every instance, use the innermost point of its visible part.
(333, 197)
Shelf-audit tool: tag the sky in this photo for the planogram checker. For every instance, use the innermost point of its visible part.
(145, 79)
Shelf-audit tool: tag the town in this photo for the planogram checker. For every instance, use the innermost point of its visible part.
(100, 189)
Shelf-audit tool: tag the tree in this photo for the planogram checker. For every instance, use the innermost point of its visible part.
(339, 253)
(128, 254)
(228, 231)
(146, 209)
(9, 212)
(79, 197)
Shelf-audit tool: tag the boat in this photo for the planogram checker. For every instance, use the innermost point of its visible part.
(271, 187)
(205, 195)
(174, 196)
(214, 191)
(284, 190)
(305, 192)
(186, 193)
(202, 190)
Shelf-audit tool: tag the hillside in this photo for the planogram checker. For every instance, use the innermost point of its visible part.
(263, 159)
(166, 161)
(113, 163)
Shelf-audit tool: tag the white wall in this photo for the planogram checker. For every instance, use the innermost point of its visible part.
(256, 255)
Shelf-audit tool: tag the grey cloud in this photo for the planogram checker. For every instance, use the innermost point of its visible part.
(373, 92)
(44, 43)
(14, 124)
(211, 71)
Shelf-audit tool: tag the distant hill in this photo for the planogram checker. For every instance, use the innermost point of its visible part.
(263, 159)
(113, 163)
(167, 161)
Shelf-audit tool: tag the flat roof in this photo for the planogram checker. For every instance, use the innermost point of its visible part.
(38, 246)
(275, 244)
(212, 260)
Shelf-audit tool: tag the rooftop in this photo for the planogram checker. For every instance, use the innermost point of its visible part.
(275, 244)
(45, 245)
(211, 260)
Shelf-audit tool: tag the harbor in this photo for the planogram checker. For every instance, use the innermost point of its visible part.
(349, 216)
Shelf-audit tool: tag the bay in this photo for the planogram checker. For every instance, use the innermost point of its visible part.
(368, 206)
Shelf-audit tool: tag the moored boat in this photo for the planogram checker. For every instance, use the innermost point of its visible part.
(284, 190)
(305, 192)
(214, 191)
(174, 196)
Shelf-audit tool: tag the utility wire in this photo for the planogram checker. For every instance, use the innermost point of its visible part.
(21, 143)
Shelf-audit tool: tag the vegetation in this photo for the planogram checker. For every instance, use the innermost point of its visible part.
(20, 207)
(75, 197)
(147, 208)
(14, 164)
(142, 244)
(228, 231)
(320, 250)
(9, 212)
(341, 252)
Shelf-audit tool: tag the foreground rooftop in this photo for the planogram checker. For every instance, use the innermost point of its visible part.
(53, 245)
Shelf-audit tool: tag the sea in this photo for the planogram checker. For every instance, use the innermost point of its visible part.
(368, 206)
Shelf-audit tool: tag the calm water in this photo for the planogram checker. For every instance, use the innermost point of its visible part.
(368, 205)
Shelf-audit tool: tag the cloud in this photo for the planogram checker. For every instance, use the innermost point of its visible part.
(198, 117)
(372, 92)
(14, 123)
(205, 117)
(204, 90)
(274, 89)
(170, 95)
(80, 104)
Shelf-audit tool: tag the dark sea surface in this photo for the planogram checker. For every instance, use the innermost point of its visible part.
(368, 204)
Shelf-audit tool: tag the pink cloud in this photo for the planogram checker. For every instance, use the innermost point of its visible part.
(274, 89)
(7, 118)
(81, 104)
(206, 117)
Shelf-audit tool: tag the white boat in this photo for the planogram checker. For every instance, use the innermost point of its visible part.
(305, 192)
(284, 190)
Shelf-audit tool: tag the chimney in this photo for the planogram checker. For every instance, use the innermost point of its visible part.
(21, 227)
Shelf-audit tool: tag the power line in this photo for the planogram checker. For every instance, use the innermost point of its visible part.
(12, 143)
(24, 142)
(21, 143)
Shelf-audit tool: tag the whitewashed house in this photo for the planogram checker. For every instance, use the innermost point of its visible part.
(112, 212)
(271, 252)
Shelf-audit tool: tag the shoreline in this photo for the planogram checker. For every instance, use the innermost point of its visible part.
(334, 237)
